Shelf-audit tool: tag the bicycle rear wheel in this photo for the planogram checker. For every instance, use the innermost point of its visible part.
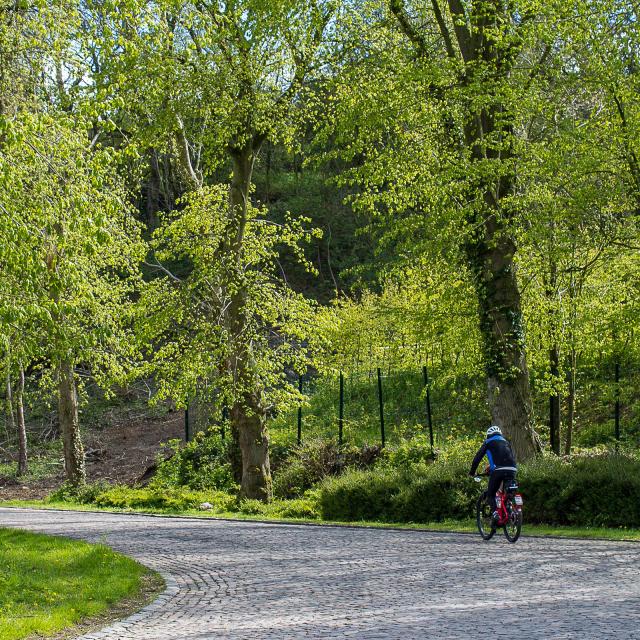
(484, 518)
(514, 525)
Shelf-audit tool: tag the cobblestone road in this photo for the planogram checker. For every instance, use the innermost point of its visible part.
(251, 581)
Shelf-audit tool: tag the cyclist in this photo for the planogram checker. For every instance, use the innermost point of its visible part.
(502, 464)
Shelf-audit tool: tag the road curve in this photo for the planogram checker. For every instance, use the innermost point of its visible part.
(250, 581)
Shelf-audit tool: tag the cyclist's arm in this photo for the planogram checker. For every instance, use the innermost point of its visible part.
(476, 461)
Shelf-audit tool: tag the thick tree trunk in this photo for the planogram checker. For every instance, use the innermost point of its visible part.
(488, 131)
(69, 425)
(248, 413)
(23, 464)
(249, 418)
(509, 394)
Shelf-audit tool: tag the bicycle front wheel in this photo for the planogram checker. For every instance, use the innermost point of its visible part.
(484, 519)
(514, 524)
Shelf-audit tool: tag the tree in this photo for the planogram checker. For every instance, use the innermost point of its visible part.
(70, 252)
(219, 80)
(434, 114)
(578, 226)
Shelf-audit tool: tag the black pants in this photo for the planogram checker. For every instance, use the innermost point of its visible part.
(495, 479)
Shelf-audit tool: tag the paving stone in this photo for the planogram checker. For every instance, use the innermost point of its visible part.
(244, 580)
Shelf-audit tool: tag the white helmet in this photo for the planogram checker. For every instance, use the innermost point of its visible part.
(494, 431)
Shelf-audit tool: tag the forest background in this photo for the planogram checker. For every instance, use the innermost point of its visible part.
(324, 213)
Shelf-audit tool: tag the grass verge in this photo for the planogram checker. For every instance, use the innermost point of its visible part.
(49, 584)
(452, 526)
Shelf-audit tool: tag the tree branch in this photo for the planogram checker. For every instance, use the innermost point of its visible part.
(463, 34)
(444, 30)
(632, 158)
(193, 177)
(408, 28)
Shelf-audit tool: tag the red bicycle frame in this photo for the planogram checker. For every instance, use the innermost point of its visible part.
(501, 506)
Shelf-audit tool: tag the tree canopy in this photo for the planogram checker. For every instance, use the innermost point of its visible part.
(174, 176)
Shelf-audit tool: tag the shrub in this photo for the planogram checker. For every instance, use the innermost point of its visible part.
(306, 507)
(409, 452)
(122, 497)
(459, 450)
(360, 495)
(314, 460)
(434, 494)
(252, 507)
(83, 494)
(200, 464)
(600, 490)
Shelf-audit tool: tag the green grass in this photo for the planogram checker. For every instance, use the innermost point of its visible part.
(455, 526)
(48, 584)
(453, 405)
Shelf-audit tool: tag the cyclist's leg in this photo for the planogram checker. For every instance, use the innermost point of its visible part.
(494, 484)
(509, 479)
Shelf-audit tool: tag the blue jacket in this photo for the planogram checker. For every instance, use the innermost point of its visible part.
(498, 452)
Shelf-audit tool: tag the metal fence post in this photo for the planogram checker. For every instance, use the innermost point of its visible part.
(381, 403)
(300, 411)
(425, 375)
(617, 414)
(341, 414)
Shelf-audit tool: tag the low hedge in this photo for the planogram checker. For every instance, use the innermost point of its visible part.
(601, 490)
(180, 499)
(591, 491)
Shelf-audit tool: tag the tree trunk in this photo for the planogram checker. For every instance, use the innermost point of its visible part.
(69, 425)
(552, 295)
(509, 395)
(554, 401)
(23, 465)
(9, 407)
(248, 413)
(152, 192)
(249, 418)
(491, 247)
(571, 401)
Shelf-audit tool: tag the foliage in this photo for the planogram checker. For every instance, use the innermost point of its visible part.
(317, 459)
(428, 133)
(70, 246)
(601, 490)
(49, 584)
(182, 322)
(178, 499)
(423, 315)
(202, 463)
(175, 499)
(82, 494)
(582, 491)
(428, 494)
(402, 120)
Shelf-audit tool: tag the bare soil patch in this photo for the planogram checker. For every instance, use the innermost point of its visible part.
(117, 453)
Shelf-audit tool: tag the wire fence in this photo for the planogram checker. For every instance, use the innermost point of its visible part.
(384, 406)
(380, 406)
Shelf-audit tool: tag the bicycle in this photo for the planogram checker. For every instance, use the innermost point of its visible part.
(509, 507)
